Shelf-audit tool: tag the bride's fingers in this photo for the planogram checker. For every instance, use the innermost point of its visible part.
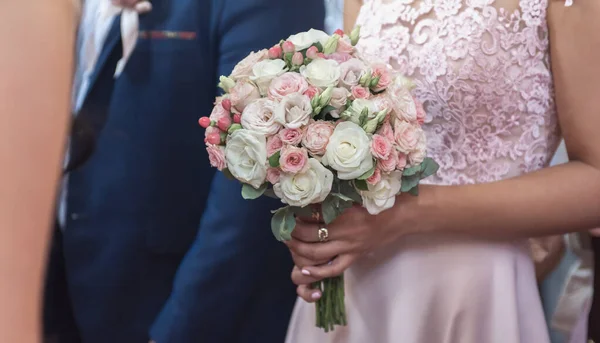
(308, 294)
(300, 278)
(318, 251)
(304, 262)
(309, 232)
(335, 268)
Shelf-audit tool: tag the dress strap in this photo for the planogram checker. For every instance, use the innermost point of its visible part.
(568, 3)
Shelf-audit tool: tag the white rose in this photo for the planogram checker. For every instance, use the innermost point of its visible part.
(265, 71)
(322, 73)
(304, 40)
(244, 68)
(349, 151)
(382, 195)
(246, 156)
(351, 72)
(309, 187)
(294, 111)
(259, 116)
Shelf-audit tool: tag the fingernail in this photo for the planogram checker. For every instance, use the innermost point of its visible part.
(316, 295)
(305, 272)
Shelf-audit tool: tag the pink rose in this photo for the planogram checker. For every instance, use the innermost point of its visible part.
(386, 131)
(388, 165)
(287, 83)
(216, 156)
(317, 136)
(420, 111)
(242, 94)
(293, 160)
(359, 92)
(339, 57)
(381, 147)
(406, 136)
(383, 102)
(274, 144)
(418, 155)
(385, 77)
(375, 178)
(344, 45)
(403, 103)
(244, 68)
(312, 91)
(291, 136)
(273, 175)
(401, 161)
(339, 97)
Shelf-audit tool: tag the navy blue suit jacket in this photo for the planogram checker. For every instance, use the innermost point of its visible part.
(139, 265)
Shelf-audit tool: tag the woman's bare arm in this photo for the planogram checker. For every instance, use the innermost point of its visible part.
(351, 9)
(35, 67)
(555, 200)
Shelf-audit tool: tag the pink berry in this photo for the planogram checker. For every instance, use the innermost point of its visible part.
(312, 52)
(224, 123)
(226, 103)
(297, 59)
(275, 52)
(213, 138)
(204, 122)
(288, 47)
(237, 118)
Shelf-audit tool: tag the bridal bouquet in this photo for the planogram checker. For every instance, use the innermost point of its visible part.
(312, 123)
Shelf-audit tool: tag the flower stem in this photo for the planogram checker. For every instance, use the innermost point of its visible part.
(330, 309)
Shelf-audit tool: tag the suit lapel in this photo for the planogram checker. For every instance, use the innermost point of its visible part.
(112, 38)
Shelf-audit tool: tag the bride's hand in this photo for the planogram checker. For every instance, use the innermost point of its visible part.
(351, 235)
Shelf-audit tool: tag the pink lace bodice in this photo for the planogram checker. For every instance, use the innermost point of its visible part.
(482, 71)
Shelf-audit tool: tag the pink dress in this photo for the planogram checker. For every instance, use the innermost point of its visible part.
(482, 70)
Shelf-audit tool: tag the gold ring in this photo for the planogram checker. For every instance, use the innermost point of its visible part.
(323, 234)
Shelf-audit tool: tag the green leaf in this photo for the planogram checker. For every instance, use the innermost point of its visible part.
(270, 193)
(283, 224)
(228, 174)
(428, 167)
(409, 182)
(412, 170)
(361, 185)
(303, 212)
(348, 190)
(329, 209)
(326, 109)
(274, 159)
(250, 193)
(342, 197)
(414, 191)
(318, 45)
(333, 207)
(368, 174)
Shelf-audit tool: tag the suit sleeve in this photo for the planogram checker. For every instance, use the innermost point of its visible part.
(235, 254)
